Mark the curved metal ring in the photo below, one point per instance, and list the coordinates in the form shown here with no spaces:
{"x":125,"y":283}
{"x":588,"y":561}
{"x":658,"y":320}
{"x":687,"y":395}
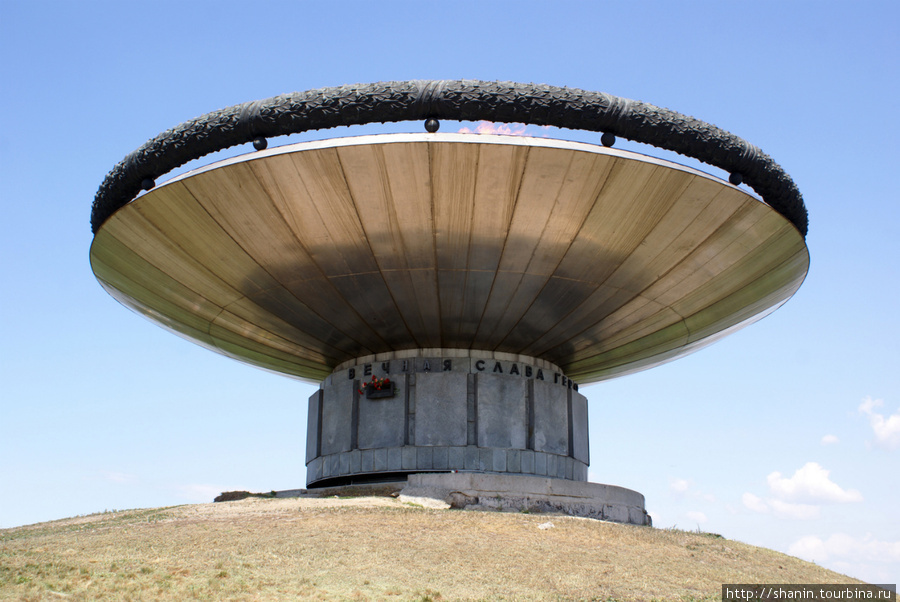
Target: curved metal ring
{"x":463,"y":100}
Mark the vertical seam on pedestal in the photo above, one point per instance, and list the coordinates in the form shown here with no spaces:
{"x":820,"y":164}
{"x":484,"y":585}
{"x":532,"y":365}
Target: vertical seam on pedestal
{"x":529,"y":403}
{"x":471,"y":410}
{"x":410,"y":409}
{"x":474,"y":410}
{"x":569,"y":420}
{"x":354,"y":418}
{"x":321,"y":407}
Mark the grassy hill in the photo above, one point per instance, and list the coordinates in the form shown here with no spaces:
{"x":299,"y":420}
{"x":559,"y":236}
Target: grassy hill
{"x":373,"y":548}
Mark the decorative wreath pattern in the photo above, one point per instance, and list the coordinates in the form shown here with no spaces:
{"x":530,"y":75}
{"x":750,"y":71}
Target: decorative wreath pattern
{"x":461,"y":100}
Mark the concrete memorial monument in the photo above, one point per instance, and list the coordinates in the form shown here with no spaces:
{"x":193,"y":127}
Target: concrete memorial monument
{"x":452,"y":293}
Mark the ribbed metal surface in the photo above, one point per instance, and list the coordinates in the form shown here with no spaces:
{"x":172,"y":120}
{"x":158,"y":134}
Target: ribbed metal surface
{"x":601,"y":261}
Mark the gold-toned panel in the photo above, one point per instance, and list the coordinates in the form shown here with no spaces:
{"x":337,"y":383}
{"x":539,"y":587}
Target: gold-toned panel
{"x":497,"y":184}
{"x":600,"y":261}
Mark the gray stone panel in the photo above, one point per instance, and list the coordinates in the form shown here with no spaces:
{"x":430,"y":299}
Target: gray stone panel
{"x":551,"y":419}
{"x":540,"y":463}
{"x":331,"y":465}
{"x":313,"y":471}
{"x":336,"y":409}
{"x":456,"y":459}
{"x":394,"y":459}
{"x":367,"y":460}
{"x":513,"y":460}
{"x":441,"y":459}
{"x":440,"y":409}
{"x":344,"y":463}
{"x":472,"y":458}
{"x":580,"y":471}
{"x":355,"y":459}
{"x":424,"y":458}
{"x":312,"y":427}
{"x":502,"y":411}
{"x":499,"y":460}
{"x":580,"y":444}
{"x":485,"y":459}
{"x":408,"y":458}
{"x":380,"y":460}
{"x":381,"y":421}
{"x":527,"y":461}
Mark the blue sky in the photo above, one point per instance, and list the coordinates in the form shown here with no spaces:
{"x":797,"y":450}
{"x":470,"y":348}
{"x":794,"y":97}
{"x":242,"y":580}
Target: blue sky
{"x":785,"y":434}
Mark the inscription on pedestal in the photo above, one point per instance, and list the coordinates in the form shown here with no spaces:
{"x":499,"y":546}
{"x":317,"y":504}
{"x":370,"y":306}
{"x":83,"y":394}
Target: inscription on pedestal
{"x":364,"y":372}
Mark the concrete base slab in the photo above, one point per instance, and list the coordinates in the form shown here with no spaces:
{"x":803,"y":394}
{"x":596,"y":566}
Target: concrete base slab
{"x":527,"y":494}
{"x":501,"y":492}
{"x":426,"y":501}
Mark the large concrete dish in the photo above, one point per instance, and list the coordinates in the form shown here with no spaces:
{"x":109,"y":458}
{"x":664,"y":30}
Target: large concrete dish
{"x":302,"y":257}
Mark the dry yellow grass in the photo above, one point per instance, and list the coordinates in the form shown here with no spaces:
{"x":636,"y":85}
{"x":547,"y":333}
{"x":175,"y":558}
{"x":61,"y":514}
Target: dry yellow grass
{"x":373,"y":548}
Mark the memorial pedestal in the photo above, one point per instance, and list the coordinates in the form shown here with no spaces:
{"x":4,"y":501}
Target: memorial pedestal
{"x":449,"y":410}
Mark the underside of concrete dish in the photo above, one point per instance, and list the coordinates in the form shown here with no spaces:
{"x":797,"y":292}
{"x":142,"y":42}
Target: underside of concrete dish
{"x":303,"y":258}
{"x":475,"y":491}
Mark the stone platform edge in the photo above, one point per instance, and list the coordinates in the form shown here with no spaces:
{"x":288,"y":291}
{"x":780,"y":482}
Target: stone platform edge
{"x":476,"y":491}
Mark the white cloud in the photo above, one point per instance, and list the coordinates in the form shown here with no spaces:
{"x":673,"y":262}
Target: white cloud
{"x":488,"y":127}
{"x":682,"y":487}
{"x":887,"y":430}
{"x":810,"y":484}
{"x":757,"y":504}
{"x":780,"y":508}
{"x":797,"y":498}
{"x":697,"y":517}
{"x":865,"y":558}
{"x":783,"y":509}
{"x":829,"y":440}
{"x":809,"y":548}
{"x":843,"y":546}
{"x":678,"y":485}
